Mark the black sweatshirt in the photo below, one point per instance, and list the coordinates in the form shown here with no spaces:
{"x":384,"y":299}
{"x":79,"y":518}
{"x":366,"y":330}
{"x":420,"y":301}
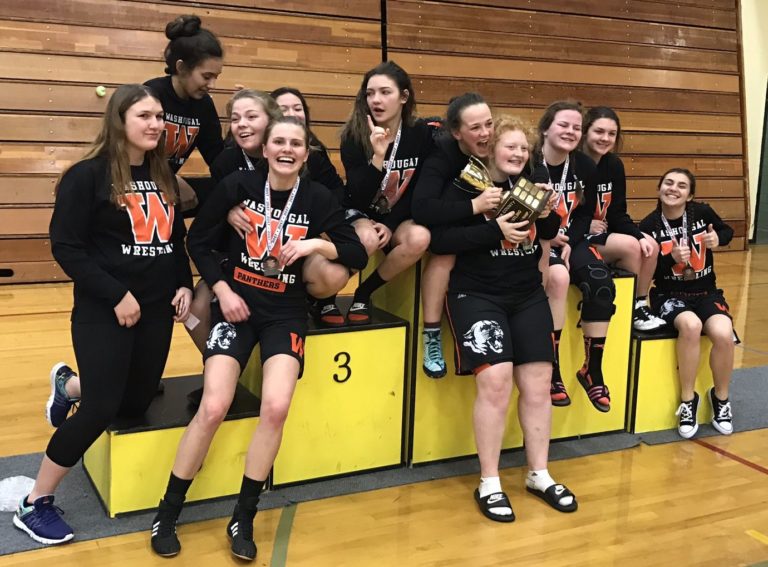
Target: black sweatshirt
{"x":109,"y":251}
{"x":576,"y":217}
{"x":486,"y":262}
{"x":442,"y":167}
{"x":364,"y":180}
{"x":314,"y":211}
{"x":668,"y":277}
{"x":189,"y":124}
{"x":611,"y":203}
{"x":319,"y":167}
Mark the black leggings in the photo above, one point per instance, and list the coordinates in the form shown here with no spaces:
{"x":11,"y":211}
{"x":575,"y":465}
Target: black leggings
{"x":119,"y":369}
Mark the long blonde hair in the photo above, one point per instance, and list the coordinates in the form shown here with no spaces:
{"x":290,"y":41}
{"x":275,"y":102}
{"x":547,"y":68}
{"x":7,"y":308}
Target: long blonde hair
{"x":111,"y":143}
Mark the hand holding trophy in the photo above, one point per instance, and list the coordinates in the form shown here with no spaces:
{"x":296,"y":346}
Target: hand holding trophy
{"x":524,"y":199}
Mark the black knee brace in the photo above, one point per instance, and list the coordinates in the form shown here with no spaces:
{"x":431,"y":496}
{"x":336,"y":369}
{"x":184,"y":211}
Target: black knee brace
{"x":598,"y":292}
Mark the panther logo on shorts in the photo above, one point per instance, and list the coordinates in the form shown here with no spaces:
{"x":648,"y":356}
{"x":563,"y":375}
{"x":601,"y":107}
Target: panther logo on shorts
{"x":484,"y":335}
{"x":221,"y":336}
{"x":671,"y":305}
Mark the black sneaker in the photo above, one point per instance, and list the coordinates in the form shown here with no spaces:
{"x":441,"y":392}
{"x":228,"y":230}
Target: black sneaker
{"x":688,"y":425}
{"x":722,"y":420}
{"x":240,"y":533}
{"x":164,"y":540}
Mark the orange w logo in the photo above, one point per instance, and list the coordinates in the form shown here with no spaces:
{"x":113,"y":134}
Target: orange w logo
{"x":297,"y":344}
{"x":178,"y":139}
{"x":256,"y":241}
{"x":603,"y":202}
{"x":565,"y":208}
{"x":698,"y":259}
{"x":157,"y":219}
{"x":395,"y":187}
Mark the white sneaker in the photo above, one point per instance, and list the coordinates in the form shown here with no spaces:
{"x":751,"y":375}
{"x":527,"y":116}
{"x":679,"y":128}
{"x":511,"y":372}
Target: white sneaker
{"x":643,"y":319}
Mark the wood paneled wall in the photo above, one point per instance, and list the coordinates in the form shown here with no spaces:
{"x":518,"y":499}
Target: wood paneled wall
{"x":670,"y":68}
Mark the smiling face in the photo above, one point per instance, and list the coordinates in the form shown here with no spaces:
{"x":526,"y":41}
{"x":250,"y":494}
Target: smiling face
{"x":385,"y":101}
{"x":286,"y":149}
{"x":475,"y":131}
{"x":564,"y":134}
{"x":143,"y":127}
{"x":675,"y":190}
{"x":601,"y":136}
{"x":249,"y":120}
{"x":291,"y":105}
{"x":511,"y":152}
{"x":198,"y":82}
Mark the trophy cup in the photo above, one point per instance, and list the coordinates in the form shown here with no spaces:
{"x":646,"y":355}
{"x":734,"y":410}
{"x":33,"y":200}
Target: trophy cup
{"x":524,"y":199}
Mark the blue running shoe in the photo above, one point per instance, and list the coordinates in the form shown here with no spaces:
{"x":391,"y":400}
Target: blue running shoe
{"x":42,"y":521}
{"x":434,"y":364}
{"x":59,"y":404}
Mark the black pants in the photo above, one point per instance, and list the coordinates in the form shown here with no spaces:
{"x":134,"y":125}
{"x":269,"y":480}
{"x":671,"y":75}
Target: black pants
{"x":119,"y":369}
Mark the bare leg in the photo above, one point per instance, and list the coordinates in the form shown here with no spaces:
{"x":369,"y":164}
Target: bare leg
{"x":434,"y":285}
{"x":409,"y":241}
{"x":323,"y":277}
{"x":557,"y":292}
{"x":494,"y":389}
{"x":534,"y":411}
{"x":719,"y":329}
{"x":48,"y":478}
{"x":688,"y":347}
{"x":220,"y":380}
{"x":280,"y":375}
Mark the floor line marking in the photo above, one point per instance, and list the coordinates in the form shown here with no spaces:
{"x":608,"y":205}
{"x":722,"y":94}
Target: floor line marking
{"x":732,"y":456}
{"x":282,"y":535}
{"x":762,"y":538}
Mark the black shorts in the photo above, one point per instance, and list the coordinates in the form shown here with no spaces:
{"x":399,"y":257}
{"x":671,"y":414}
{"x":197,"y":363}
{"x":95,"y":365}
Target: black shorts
{"x":582,"y":254}
{"x":351,"y":215}
{"x":704,"y":304}
{"x":490,"y":330}
{"x":238,"y":340}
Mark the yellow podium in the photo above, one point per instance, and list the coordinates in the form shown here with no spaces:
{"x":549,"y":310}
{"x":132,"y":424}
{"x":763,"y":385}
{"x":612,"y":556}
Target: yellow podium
{"x":441,"y":409}
{"x":129,"y":464}
{"x":655,"y":385}
{"x":347,"y":411}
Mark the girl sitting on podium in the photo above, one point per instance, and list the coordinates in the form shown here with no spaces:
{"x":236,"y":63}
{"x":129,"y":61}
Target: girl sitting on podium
{"x":502,"y":324}
{"x":569,"y":255}
{"x":612,"y":232}
{"x":469,"y":126}
{"x":383,"y":146}
{"x":261,"y":299}
{"x":685,"y":294}
{"x":118,"y":232}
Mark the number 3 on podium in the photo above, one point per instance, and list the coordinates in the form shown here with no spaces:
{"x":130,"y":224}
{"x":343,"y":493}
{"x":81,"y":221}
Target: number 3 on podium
{"x":345,"y":365}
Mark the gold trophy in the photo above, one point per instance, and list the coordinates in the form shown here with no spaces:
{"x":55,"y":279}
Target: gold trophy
{"x":524,"y":199}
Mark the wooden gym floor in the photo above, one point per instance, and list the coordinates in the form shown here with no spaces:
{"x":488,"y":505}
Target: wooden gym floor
{"x":688,"y":503}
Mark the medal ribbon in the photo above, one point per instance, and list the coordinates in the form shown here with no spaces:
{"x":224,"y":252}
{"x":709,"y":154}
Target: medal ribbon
{"x":272,"y":237}
{"x":390,"y":162}
{"x":248,"y":162}
{"x":561,"y":187}
{"x":684,"y":238}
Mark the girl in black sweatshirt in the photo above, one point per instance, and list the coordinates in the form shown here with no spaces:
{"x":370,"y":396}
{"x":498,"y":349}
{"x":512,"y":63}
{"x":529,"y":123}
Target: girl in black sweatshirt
{"x":686,"y":295}
{"x":383,"y":145}
{"x":193,"y":60}
{"x":501,"y":323}
{"x":261,"y":299}
{"x":611,"y":231}
{"x":118,"y":232}
{"x":571,"y":258}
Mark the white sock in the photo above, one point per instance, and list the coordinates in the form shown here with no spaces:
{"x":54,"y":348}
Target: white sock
{"x":489,"y":486}
{"x":541,"y":480}
{"x":492,"y":485}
